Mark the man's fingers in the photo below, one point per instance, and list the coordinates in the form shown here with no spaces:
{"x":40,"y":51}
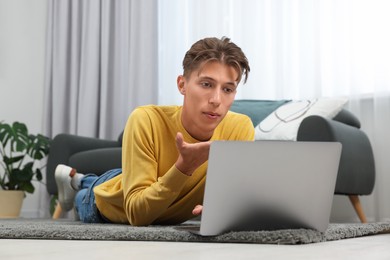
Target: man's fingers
{"x":197,"y":210}
{"x":191,"y":156}
{"x":179,"y":140}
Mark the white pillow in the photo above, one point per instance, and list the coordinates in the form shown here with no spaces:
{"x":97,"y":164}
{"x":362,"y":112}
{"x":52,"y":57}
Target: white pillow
{"x":284,"y":122}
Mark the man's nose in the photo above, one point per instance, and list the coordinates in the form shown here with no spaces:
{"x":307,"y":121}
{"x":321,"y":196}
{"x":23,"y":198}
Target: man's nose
{"x":215,"y":98}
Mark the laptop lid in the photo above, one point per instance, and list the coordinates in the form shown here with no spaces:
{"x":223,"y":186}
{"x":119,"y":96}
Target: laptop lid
{"x":269,"y":185}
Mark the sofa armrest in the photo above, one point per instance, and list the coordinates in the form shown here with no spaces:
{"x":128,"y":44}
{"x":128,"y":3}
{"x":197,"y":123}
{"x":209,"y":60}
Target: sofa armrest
{"x":346,"y":117}
{"x":63,"y":146}
{"x":356,"y":174}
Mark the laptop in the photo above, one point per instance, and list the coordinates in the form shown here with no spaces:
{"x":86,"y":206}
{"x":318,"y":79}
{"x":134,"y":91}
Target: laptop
{"x":268,"y":185}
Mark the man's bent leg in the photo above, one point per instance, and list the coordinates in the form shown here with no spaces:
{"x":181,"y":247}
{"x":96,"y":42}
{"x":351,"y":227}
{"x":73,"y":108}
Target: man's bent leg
{"x":85,"y":204}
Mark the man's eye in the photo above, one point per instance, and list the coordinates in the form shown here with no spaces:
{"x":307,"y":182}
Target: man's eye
{"x":206,"y":84}
{"x":228,"y":90}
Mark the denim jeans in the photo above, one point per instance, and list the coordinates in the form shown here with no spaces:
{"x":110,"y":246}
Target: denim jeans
{"x":85,"y":198}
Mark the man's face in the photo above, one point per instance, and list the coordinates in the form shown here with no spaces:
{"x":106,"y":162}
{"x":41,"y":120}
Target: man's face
{"x":208,"y":94}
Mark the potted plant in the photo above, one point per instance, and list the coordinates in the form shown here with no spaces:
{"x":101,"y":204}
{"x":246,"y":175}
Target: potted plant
{"x":20,"y":155}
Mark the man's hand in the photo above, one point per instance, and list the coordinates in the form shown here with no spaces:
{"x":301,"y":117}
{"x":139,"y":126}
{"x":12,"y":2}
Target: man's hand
{"x":197,"y":210}
{"x":191,"y":156}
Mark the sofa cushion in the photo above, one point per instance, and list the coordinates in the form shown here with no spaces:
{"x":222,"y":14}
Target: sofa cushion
{"x":283,"y":123}
{"x":257,"y":110}
{"x":97,"y":161}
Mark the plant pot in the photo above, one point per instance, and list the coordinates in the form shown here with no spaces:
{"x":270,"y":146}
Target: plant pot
{"x":10,"y":203}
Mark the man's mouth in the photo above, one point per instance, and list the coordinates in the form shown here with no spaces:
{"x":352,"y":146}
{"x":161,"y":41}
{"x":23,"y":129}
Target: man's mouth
{"x":212,"y":115}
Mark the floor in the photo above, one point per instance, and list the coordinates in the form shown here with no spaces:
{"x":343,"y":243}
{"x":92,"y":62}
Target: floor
{"x":370,"y":247}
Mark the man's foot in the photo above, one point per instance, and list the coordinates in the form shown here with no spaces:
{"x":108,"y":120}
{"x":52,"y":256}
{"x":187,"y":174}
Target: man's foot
{"x":63,"y":175}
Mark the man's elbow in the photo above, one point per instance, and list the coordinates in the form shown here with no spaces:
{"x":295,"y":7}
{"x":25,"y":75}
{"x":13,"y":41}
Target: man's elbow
{"x":138,"y":219}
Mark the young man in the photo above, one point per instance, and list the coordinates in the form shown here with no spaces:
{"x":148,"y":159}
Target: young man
{"x":165,"y":148}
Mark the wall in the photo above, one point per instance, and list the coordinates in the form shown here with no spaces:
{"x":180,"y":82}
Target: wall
{"x":22,"y":55}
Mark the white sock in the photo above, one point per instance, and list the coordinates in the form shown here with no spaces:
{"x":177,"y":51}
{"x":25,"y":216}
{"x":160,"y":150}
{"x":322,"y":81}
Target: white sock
{"x":76,"y":181}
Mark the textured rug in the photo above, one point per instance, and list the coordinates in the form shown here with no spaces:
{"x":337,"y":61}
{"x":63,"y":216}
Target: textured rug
{"x":73,"y":230}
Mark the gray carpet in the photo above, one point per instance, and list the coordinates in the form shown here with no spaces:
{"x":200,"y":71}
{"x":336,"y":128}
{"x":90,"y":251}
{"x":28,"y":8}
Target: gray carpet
{"x":73,"y":230}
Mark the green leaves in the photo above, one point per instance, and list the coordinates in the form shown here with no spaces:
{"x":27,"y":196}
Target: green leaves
{"x":17,"y":134}
{"x":38,"y":147}
{"x":19,"y":152}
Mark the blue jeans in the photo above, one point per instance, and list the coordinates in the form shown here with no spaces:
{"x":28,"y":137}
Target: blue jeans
{"x":85,"y":198}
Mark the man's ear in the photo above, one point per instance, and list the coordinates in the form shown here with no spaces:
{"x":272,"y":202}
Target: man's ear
{"x":181,"y":84}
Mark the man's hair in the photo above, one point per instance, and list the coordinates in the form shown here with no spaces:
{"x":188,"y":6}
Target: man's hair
{"x":214,"y":49}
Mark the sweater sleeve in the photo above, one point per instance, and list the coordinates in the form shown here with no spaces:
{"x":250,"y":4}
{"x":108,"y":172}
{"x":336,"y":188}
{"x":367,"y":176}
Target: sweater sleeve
{"x":146,"y":195}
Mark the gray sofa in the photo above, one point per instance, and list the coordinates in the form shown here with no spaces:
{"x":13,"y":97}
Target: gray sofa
{"x":356,"y":174}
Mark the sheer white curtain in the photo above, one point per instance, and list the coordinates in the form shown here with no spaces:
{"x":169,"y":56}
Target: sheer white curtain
{"x":100,"y":64}
{"x":297,"y":49}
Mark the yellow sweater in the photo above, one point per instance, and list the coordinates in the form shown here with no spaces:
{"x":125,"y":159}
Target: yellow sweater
{"x":151,"y":190}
